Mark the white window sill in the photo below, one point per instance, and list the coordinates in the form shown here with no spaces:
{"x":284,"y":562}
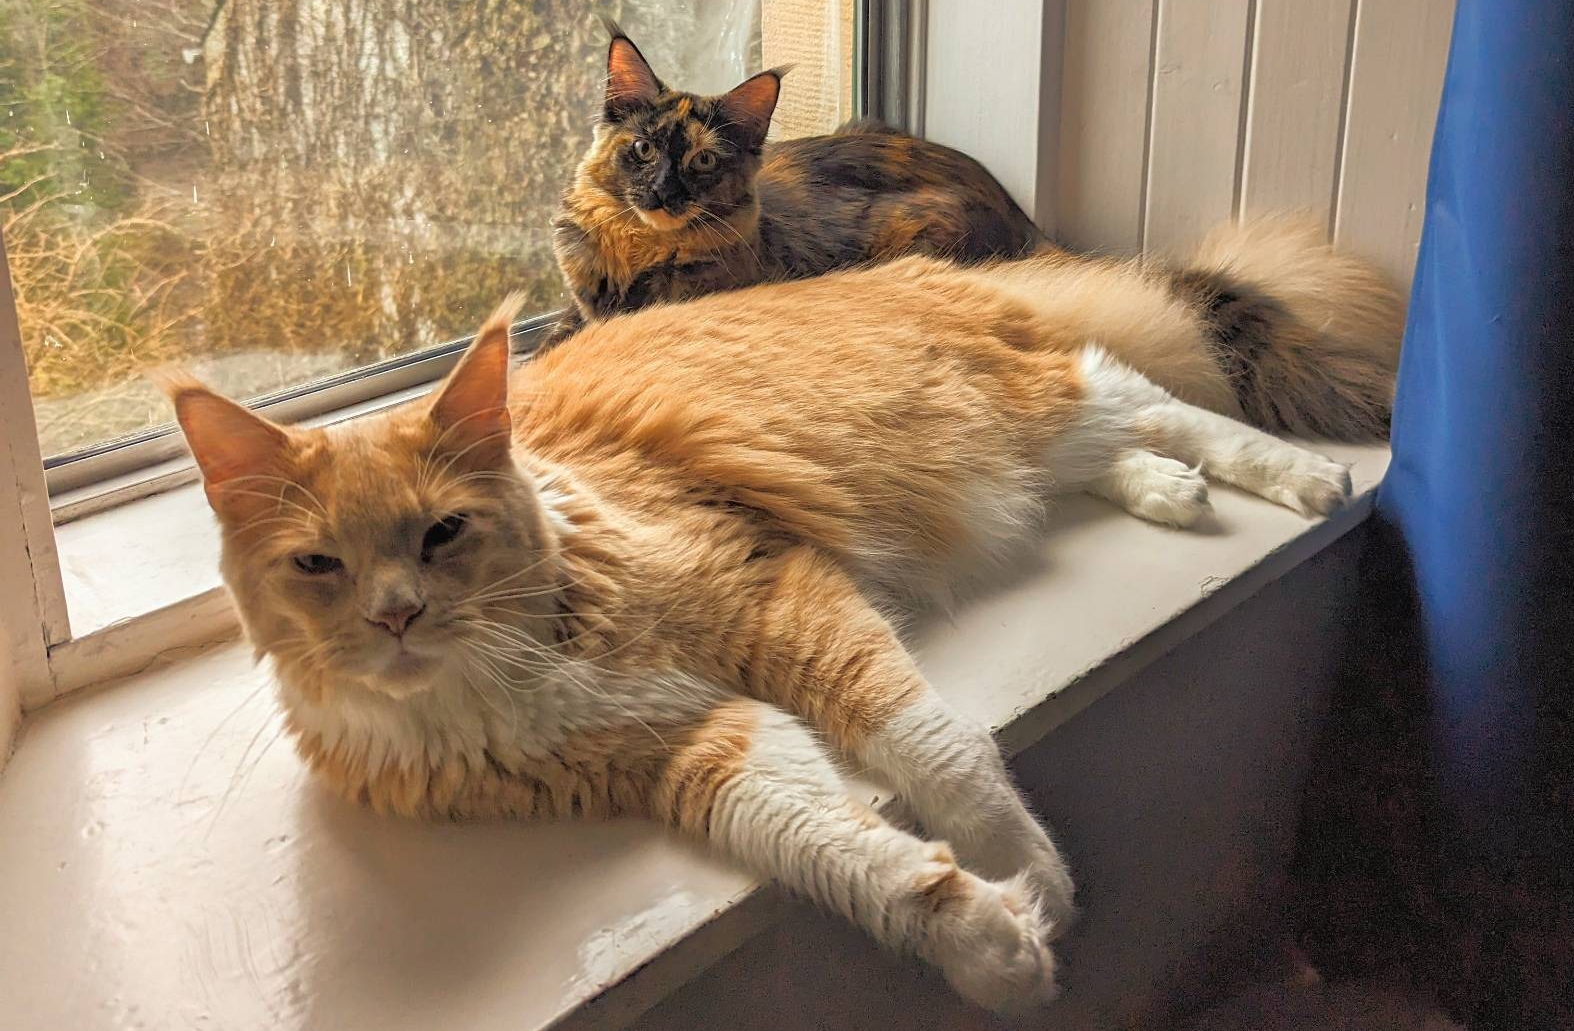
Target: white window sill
{"x":164,"y":867}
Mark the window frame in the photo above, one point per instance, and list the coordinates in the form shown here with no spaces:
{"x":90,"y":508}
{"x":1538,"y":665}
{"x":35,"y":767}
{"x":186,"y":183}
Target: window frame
{"x":33,"y":617}
{"x":156,"y":459}
{"x":45,"y":660}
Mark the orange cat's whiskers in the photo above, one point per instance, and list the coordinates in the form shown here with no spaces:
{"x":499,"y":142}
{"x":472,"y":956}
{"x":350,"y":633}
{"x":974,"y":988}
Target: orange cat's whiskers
{"x":494,"y":665}
{"x":483,"y":476}
{"x":288,"y":485}
{"x":493,"y":639}
{"x":521,"y":593}
{"x":278,"y":500}
{"x":208,"y":740}
{"x":327,"y":646}
{"x":241,"y":765}
{"x":554,"y":666}
{"x":476,"y":662}
{"x":292,"y":525}
{"x":427,"y":474}
{"x":514,"y":645}
{"x":485,"y":590}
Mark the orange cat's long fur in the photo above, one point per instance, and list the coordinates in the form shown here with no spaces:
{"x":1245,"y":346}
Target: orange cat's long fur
{"x":650,"y":573}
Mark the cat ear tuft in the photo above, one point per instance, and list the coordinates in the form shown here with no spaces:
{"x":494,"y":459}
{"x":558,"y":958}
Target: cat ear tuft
{"x":630,"y":82}
{"x":751,"y":103}
{"x":233,"y":445}
{"x":471,"y":407}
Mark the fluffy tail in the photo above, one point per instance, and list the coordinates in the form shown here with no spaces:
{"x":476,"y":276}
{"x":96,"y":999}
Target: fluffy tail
{"x":1307,"y":336}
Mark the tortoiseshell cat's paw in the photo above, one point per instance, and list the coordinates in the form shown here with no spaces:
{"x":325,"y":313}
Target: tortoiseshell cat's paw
{"x":991,"y":944}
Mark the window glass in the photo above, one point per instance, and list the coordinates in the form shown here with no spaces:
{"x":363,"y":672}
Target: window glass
{"x":273,"y":191}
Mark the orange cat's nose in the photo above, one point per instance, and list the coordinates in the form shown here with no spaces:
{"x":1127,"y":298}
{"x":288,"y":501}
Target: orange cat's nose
{"x":397,"y":618}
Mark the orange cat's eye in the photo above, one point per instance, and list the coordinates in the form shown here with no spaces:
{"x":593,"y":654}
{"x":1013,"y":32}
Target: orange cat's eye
{"x":704,"y":161}
{"x":644,"y":150}
{"x":441,"y":533}
{"x":316,"y":565}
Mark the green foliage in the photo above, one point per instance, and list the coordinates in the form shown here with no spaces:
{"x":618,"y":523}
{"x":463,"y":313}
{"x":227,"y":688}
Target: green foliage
{"x":56,"y":107}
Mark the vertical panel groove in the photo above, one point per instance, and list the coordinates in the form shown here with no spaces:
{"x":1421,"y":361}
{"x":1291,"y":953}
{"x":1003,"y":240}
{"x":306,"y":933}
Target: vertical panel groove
{"x":1104,"y":103}
{"x":1396,"y":77}
{"x":1147,"y":128}
{"x":1344,"y":120}
{"x":1196,"y":120}
{"x":1248,"y":65}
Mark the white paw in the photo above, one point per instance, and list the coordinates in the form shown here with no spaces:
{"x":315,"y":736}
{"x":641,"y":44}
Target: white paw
{"x":991,"y":943}
{"x":1056,"y":893}
{"x":1313,"y":486}
{"x":1030,"y":853}
{"x":1162,"y":490}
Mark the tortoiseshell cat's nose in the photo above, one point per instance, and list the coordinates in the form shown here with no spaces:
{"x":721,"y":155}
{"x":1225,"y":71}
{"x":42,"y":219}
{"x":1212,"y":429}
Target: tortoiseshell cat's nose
{"x":671,"y":195}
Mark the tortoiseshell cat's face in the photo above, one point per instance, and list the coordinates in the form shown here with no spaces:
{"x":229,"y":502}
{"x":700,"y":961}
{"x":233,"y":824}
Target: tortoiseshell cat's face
{"x":677,"y":158}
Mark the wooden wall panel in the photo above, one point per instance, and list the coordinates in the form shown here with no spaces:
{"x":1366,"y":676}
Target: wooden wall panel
{"x":1194,"y":138}
{"x":1178,"y":114}
{"x":1396,"y":77}
{"x":1103,"y":123}
{"x":1299,"y":62}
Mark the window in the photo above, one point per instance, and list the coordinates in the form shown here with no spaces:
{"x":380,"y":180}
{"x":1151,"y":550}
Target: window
{"x":307,"y":201}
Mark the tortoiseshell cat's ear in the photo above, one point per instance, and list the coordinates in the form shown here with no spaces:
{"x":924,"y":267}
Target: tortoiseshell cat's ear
{"x":751,"y":103}
{"x":630,"y":82}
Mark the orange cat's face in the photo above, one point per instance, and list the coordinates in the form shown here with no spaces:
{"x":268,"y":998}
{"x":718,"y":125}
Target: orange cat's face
{"x":371,"y":553}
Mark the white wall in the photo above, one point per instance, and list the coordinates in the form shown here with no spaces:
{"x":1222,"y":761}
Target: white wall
{"x":991,"y":90}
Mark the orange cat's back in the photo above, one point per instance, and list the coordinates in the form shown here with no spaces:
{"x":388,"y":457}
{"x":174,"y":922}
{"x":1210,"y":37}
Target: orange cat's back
{"x":846,"y":407}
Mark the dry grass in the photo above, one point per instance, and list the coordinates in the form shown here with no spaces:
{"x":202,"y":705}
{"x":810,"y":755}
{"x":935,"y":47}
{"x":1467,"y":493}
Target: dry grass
{"x":303,"y":194}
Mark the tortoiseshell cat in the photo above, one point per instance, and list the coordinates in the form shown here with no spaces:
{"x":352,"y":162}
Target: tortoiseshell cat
{"x":679,"y":196}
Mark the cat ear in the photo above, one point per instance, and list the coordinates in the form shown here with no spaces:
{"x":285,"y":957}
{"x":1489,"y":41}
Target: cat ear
{"x":235,"y":448}
{"x":471,"y":407}
{"x":630,"y":82}
{"x":750,"y":104}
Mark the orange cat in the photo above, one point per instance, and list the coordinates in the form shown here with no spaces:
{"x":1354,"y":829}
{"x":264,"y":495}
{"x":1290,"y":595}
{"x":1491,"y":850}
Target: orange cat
{"x":650,"y":572}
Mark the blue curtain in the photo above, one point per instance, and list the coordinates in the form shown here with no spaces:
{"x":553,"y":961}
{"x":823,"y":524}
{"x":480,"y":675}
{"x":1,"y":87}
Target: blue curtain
{"x":1445,"y":844}
{"x":1481,"y":491}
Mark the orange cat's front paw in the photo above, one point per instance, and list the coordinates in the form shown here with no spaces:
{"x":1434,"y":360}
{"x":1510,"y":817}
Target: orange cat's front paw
{"x":991,"y":945}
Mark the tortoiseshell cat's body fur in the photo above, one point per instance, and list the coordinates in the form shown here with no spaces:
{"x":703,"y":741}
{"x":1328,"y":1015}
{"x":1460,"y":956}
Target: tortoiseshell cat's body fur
{"x":644,"y":226}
